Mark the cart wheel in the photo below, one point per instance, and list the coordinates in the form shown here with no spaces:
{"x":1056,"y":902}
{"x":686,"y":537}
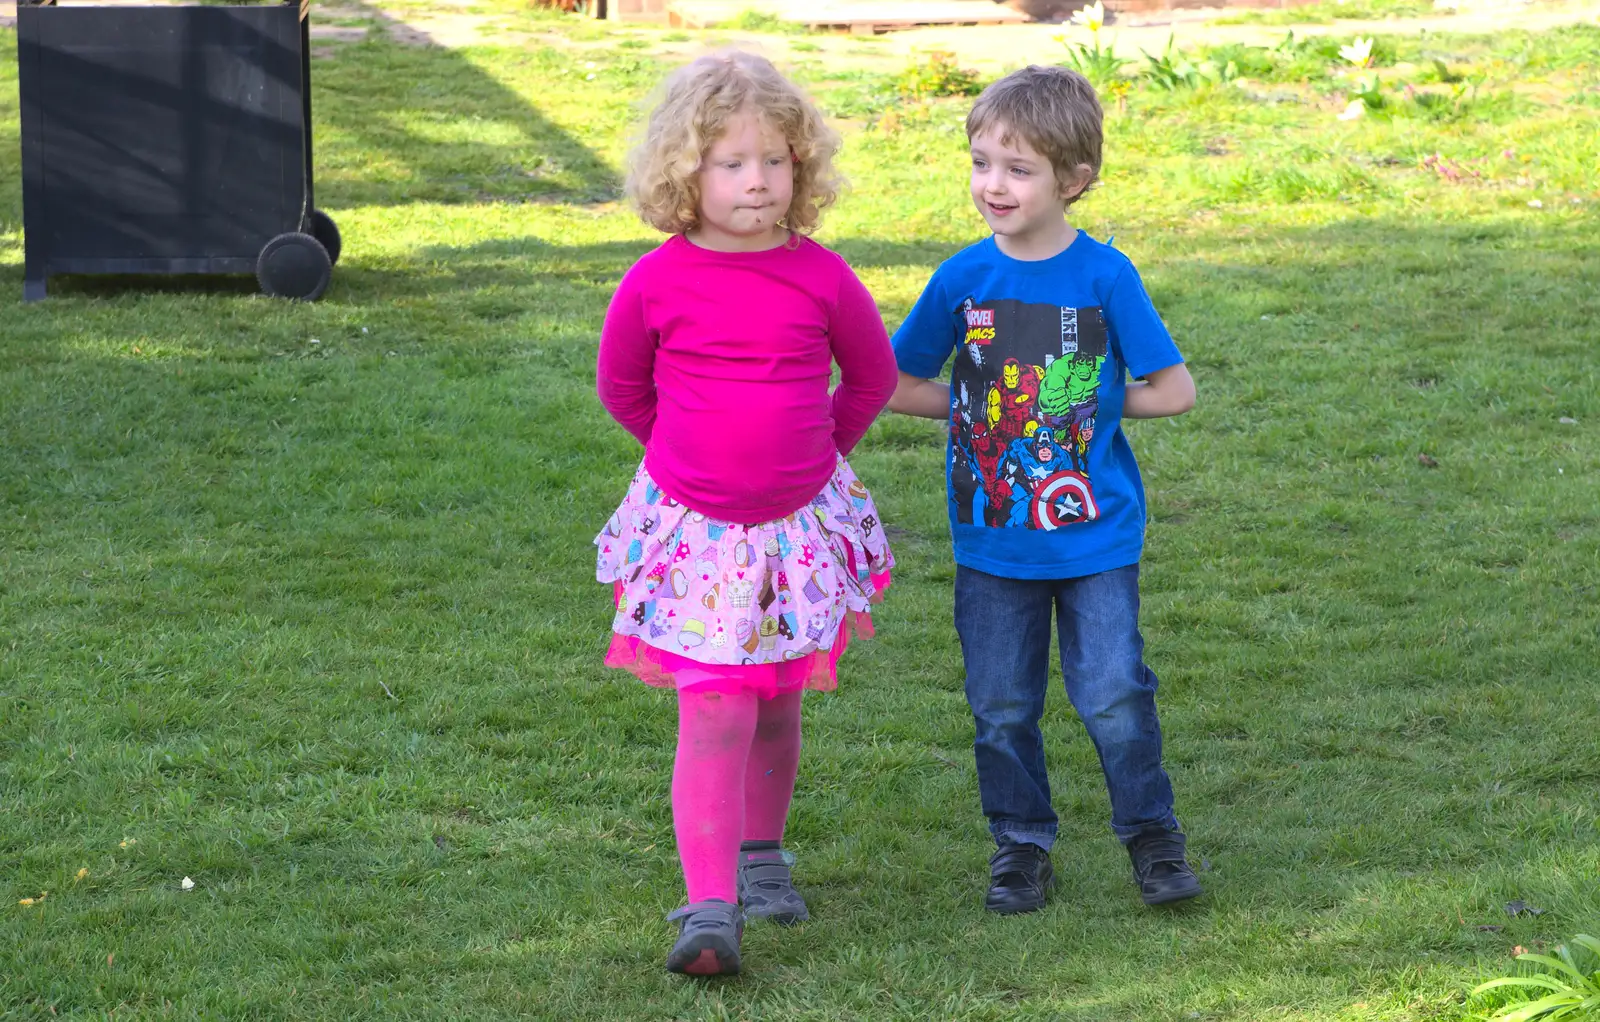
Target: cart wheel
{"x":294,"y":265}
{"x":326,"y":231}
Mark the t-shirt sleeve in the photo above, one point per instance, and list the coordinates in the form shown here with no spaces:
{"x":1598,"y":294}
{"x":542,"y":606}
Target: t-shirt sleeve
{"x":1136,"y":327}
{"x":625,"y":367}
{"x":925,"y":340}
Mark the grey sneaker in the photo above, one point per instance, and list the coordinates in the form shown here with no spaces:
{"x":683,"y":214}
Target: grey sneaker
{"x":766,"y":886}
{"x":708,"y":939}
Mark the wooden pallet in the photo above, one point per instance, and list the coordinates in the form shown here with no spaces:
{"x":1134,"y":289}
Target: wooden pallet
{"x":859,"y":17}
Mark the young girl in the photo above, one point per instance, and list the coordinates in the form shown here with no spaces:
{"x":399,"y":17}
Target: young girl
{"x":746,"y":552}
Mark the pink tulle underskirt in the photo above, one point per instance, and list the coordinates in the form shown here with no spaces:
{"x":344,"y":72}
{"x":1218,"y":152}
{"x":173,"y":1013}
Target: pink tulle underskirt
{"x":818,"y":671}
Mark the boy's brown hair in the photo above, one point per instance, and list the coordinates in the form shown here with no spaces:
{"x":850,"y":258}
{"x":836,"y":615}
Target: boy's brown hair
{"x":1053,"y":109}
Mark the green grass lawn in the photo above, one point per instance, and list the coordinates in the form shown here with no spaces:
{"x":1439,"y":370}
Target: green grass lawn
{"x":297,"y":600}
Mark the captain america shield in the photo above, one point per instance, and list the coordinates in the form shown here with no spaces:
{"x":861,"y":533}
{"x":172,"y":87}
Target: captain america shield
{"x":1063,"y":499}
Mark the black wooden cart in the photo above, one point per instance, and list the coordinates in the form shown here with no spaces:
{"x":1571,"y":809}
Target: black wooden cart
{"x":170,"y":139}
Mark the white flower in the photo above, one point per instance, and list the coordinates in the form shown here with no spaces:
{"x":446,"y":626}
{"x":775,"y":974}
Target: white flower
{"x":1354,"y":110}
{"x":589,"y":77}
{"x":1535,"y":204}
{"x":1358,"y":53}
{"x":1091,"y":17}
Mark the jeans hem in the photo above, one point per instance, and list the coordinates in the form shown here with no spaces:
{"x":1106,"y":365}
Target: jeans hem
{"x":1010,"y":836}
{"x":1166,"y":825}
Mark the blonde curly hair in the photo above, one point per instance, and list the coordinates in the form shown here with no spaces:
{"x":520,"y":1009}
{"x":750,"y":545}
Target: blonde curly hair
{"x":701,"y":98}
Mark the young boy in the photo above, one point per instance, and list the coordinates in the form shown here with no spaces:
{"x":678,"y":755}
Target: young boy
{"x":1046,"y":505}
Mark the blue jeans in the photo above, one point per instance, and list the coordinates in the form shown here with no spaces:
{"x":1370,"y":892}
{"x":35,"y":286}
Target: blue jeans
{"x":1004,"y":624}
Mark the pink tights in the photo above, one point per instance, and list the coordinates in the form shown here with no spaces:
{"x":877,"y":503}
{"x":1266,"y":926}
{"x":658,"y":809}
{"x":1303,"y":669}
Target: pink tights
{"x":731,"y":782}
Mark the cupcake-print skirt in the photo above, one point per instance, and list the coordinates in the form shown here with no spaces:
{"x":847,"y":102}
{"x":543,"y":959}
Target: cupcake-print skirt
{"x":769,"y":608}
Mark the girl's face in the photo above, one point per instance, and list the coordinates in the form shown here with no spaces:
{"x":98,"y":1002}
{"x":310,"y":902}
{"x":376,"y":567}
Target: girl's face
{"x":746,"y":183}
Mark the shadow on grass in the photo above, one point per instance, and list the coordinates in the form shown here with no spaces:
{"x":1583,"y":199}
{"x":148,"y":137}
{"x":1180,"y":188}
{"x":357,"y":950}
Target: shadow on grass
{"x":417,"y":123}
{"x":10,"y":135}
{"x":429,"y":125}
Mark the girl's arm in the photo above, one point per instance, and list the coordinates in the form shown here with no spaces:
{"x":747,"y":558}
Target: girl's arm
{"x":866,"y":362}
{"x":1168,"y":391}
{"x":625,"y":370}
{"x":929,"y":399}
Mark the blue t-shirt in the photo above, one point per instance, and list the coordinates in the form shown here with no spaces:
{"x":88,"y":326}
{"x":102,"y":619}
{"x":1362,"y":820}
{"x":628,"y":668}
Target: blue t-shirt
{"x":1041,"y":480}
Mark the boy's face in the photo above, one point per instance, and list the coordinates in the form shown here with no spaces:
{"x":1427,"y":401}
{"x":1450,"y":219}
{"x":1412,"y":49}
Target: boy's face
{"x":1017,"y":190}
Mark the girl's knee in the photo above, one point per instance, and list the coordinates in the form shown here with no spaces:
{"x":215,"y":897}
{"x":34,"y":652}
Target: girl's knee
{"x":778,"y":718}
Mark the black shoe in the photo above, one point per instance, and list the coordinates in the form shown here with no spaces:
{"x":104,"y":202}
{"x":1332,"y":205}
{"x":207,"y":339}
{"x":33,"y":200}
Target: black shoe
{"x":1020,"y":878}
{"x":1160,"y":869}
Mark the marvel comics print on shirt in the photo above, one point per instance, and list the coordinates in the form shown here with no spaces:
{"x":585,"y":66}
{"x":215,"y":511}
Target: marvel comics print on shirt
{"x":1024,"y":391}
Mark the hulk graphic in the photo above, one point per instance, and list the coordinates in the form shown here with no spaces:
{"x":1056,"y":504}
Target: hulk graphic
{"x":1069,"y":399}
{"x":1070,"y":381}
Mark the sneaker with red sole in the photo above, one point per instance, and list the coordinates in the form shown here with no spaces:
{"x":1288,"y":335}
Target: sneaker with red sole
{"x":708,"y":939}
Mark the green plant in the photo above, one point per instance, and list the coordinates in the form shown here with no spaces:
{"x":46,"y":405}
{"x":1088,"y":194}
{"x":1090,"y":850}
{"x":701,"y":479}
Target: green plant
{"x":1457,"y":105}
{"x":1370,"y":91}
{"x":1169,"y":71}
{"x":1248,"y":61}
{"x":1438,"y":71}
{"x":936,"y":75}
{"x":761,"y":21}
{"x":1172,"y":70}
{"x":1571,"y":993}
{"x":1296,"y":59}
{"x":856,"y":94}
{"x":1100,"y":66}
{"x":1305,"y":60}
{"x":1096,"y":63}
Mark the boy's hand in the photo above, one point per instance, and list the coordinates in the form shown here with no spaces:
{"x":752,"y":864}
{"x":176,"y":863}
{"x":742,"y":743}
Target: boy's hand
{"x":1168,"y":391}
{"x":925,"y":398}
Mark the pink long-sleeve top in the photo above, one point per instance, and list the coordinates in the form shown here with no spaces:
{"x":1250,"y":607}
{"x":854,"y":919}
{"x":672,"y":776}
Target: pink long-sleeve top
{"x":719,"y":363}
